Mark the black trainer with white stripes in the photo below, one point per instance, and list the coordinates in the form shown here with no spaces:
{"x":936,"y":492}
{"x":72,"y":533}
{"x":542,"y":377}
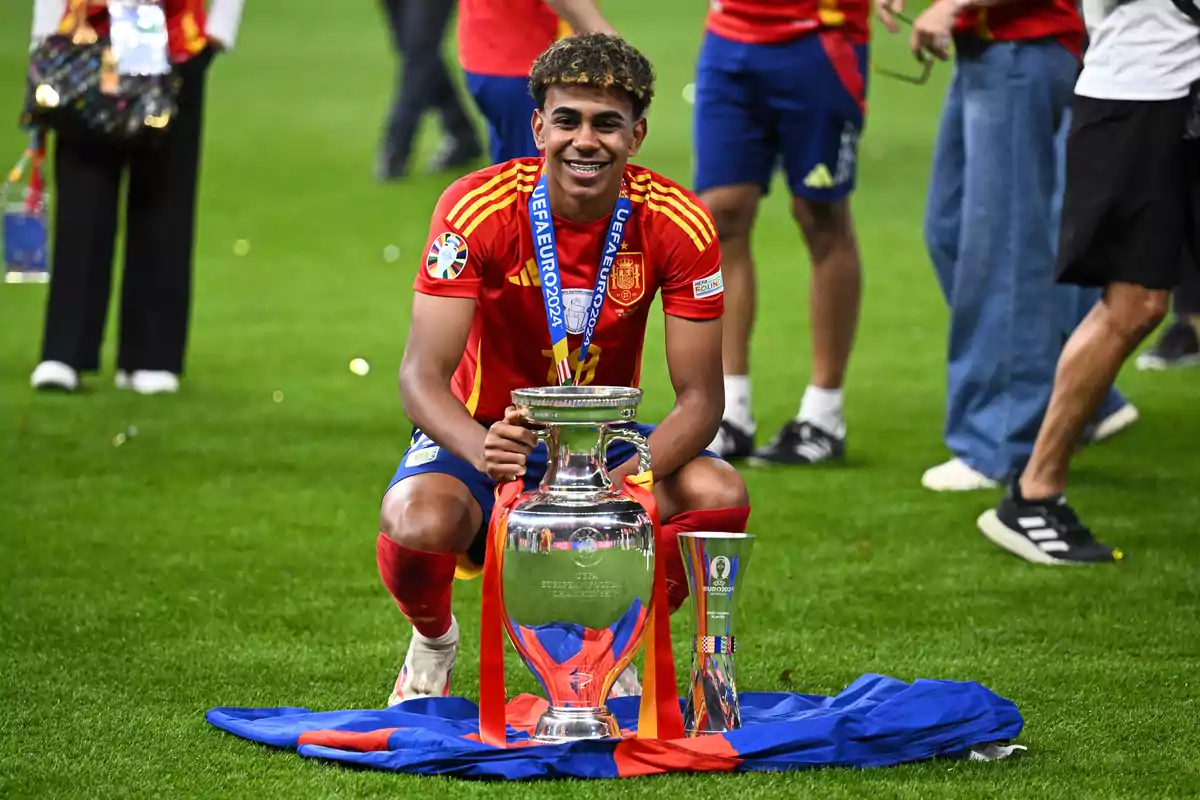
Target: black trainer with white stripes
{"x":800,"y":443}
{"x":1043,"y":531}
{"x":732,"y":441}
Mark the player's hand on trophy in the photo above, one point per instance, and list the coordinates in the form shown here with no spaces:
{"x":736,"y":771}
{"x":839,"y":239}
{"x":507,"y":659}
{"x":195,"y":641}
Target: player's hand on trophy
{"x":506,"y":446}
{"x":884,"y":9}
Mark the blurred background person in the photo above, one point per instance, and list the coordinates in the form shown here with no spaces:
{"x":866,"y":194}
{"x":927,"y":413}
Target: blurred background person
{"x":498,"y":41}
{"x":1178,"y":345}
{"x":159,"y":217}
{"x":423,"y":84}
{"x":785,"y":83}
{"x":1129,"y":212}
{"x":991,"y":226}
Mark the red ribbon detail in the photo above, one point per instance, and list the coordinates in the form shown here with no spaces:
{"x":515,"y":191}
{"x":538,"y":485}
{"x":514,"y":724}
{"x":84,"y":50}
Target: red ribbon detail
{"x":659,"y":717}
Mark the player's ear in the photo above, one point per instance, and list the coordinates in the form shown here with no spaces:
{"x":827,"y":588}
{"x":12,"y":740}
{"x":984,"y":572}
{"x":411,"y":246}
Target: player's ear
{"x":539,"y":130}
{"x":639,"y":136}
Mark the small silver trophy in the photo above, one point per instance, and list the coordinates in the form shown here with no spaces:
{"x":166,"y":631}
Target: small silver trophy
{"x":715,"y":564}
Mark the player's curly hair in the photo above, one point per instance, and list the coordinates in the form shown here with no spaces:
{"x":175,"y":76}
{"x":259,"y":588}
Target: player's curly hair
{"x":595,"y":59}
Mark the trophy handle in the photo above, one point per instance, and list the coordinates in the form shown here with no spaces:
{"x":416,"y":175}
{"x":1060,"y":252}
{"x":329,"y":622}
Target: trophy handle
{"x":637,"y":440}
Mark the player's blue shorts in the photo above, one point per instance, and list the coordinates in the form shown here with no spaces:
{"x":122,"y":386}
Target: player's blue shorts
{"x":423,"y":456}
{"x":800,"y":102}
{"x":507,"y":106}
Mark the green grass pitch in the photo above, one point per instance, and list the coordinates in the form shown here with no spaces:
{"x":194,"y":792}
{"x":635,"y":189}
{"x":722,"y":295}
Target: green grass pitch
{"x":223,"y":555}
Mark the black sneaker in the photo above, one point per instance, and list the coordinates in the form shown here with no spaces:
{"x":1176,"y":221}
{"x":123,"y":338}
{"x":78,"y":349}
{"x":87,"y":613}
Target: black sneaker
{"x":800,"y":443}
{"x":1178,"y":346}
{"x":1043,"y":531}
{"x":733,"y":441}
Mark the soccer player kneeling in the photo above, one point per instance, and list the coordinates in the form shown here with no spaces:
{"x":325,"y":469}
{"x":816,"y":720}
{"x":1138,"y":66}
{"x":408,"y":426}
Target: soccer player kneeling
{"x":480,"y":329}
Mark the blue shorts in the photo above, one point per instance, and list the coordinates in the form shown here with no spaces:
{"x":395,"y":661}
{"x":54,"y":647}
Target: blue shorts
{"x":800,"y":102}
{"x":423,"y":456}
{"x":507,"y":106}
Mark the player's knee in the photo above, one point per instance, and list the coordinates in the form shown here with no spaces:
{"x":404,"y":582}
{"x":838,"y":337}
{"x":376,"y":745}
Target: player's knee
{"x":421,"y":524}
{"x":732,"y":210}
{"x":1134,"y":311}
{"x":710,"y":483}
{"x":826,"y":226}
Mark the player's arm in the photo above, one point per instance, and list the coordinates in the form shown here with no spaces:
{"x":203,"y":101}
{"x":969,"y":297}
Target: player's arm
{"x":582,"y":15}
{"x":693,"y":302}
{"x":437,"y":337}
{"x":443,"y":311}
{"x":694,"y":363}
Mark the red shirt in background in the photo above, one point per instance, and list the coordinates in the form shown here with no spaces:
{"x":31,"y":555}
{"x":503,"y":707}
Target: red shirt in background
{"x":505,"y":37}
{"x":767,"y":22}
{"x":1032,"y":19}
{"x":481,"y":247}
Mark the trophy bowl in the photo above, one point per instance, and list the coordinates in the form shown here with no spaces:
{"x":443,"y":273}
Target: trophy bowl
{"x":578,"y":559}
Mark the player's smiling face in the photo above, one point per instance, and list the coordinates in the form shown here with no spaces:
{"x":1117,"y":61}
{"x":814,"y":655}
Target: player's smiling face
{"x":588,"y":135}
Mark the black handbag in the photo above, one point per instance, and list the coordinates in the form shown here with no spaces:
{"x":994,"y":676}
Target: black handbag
{"x":73,"y":88}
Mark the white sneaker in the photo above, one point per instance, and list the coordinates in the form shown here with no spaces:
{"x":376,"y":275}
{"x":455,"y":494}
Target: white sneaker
{"x":1115,"y":422}
{"x":145,"y":381}
{"x":54,"y":375}
{"x":427,"y":667}
{"x":956,"y":476}
{"x":626,"y":684}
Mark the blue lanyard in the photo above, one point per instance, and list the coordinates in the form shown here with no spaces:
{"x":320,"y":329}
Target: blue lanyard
{"x":542,"y":225}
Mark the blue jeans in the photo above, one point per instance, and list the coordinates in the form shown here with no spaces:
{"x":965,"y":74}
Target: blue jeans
{"x":991,"y":227}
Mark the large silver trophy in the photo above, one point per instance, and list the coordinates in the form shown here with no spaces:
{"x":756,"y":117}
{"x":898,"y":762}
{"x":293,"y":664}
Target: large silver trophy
{"x":715,"y":564}
{"x":578,"y":559}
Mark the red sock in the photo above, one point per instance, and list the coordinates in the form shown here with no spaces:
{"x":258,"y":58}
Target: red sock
{"x":420,"y":583}
{"x":729,"y":520}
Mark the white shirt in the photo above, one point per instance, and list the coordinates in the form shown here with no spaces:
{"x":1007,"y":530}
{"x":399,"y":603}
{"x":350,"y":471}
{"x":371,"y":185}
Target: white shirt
{"x":1139,"y":50}
{"x":224,"y":18}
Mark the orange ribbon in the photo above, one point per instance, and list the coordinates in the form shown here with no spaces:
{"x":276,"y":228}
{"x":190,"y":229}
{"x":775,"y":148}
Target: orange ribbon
{"x":659,"y":716}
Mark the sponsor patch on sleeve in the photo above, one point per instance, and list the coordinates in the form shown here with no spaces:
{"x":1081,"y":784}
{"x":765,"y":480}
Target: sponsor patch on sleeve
{"x":708,"y":287}
{"x":447,"y":256}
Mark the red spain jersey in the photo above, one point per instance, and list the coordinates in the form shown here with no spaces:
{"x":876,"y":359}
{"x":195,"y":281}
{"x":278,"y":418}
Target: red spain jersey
{"x":773,"y":21}
{"x":185,"y":24}
{"x":504,"y":37}
{"x":481,"y":246}
{"x":1029,"y":19}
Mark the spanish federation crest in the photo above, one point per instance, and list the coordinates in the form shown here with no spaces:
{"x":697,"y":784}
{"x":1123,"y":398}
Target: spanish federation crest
{"x":627,"y":284}
{"x":447,"y":256}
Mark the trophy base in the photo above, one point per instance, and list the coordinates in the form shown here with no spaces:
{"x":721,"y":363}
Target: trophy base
{"x":574,"y":724}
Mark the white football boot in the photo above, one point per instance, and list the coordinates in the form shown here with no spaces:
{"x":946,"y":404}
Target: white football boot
{"x":427,"y":667}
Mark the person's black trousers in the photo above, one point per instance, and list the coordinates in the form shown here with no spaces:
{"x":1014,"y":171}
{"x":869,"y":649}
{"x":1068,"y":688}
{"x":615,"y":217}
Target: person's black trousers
{"x":1187,"y":294}
{"x":159,"y":230}
{"x":418,"y":27}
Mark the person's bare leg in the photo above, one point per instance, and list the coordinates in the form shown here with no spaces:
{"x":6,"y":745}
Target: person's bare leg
{"x":1087,"y":368}
{"x":733,"y":209}
{"x":818,"y":432}
{"x":836,"y":287}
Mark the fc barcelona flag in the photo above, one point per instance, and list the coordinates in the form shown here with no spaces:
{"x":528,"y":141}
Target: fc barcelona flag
{"x":875,"y":721}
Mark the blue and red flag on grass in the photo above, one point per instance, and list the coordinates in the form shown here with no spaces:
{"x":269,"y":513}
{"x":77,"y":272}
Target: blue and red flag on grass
{"x":874,"y":722}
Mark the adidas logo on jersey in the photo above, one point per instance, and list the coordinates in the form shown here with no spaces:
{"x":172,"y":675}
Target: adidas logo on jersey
{"x":527,"y":275}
